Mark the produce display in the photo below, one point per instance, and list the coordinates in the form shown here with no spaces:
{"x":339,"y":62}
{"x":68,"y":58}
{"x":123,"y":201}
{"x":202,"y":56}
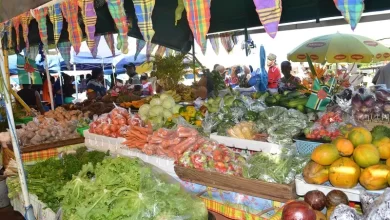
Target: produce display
{"x":90,"y":107}
{"x":120,"y":94}
{"x":124,"y":188}
{"x":62,"y":115}
{"x":46,"y":178}
{"x":114,"y":124}
{"x":190,"y":114}
{"x":211,"y":156}
{"x":159,"y":110}
{"x":47,"y":130}
{"x":163,"y":142}
{"x":348,"y":161}
{"x":295,"y":100}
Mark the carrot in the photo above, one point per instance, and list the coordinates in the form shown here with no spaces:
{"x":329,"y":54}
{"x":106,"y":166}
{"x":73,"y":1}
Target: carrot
{"x":142,"y":136}
{"x":184,"y":145}
{"x":141,"y":129}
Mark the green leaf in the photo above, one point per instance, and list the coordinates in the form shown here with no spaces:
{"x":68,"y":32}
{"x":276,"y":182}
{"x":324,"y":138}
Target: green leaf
{"x":312,"y":69}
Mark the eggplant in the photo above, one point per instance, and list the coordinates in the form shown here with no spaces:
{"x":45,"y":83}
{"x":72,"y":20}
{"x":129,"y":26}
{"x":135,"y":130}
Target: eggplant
{"x":383,"y":95}
{"x":362,"y":90}
{"x":357,"y":102}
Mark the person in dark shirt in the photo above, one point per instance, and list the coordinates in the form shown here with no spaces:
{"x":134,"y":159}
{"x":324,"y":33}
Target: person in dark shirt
{"x":28,"y":95}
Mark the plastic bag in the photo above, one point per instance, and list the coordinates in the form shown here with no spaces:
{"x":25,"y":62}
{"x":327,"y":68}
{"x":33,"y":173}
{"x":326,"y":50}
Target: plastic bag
{"x":242,"y":130}
{"x":210,"y":122}
{"x":379,"y":208}
{"x":344,"y":212}
{"x":257,"y":106}
{"x":272,"y":113}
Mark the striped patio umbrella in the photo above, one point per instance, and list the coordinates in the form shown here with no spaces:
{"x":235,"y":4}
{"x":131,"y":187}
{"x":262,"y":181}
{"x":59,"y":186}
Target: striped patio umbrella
{"x":89,"y":18}
{"x":269,"y":12}
{"x":40,"y":15}
{"x":117,"y":12}
{"x":70,"y":11}
{"x":351,"y":10}
{"x":55,"y":16}
{"x":143,"y":11}
{"x":198,"y":16}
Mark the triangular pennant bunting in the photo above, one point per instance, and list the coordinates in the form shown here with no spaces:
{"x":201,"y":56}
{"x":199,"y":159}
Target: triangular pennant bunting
{"x":70,"y":11}
{"x":57,"y":20}
{"x":8,"y":30}
{"x":198,"y":16}
{"x":351,"y":10}
{"x":33,"y":52}
{"x":89,"y":18}
{"x":214,"y":41}
{"x":269,"y":12}
{"x":110,"y":42}
{"x":140,"y":44}
{"x":143,"y":11}
{"x":25,"y":20}
{"x":168,"y":52}
{"x":160,"y":51}
{"x":149,"y":50}
{"x":16,"y":24}
{"x":94,"y":50}
{"x":64,"y":48}
{"x":227,"y":42}
{"x":179,"y":11}
{"x":117,"y":12}
{"x":2,"y":31}
{"x":40,"y":15}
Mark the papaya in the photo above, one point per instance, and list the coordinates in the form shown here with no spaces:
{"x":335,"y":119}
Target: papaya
{"x":359,"y":136}
{"x":325,"y":154}
{"x":344,"y":146}
{"x":375,"y":177}
{"x":344,"y":173}
{"x":383,"y":145}
{"x":366,"y":155}
{"x":388,"y":179}
{"x":388,"y":162}
{"x":314,"y":173}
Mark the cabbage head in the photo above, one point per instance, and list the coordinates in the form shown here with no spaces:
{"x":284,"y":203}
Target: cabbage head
{"x":168,"y":102}
{"x":156,"y":111}
{"x":143,"y":111}
{"x":176,"y":109}
{"x":155,"y":101}
{"x":167,"y":113}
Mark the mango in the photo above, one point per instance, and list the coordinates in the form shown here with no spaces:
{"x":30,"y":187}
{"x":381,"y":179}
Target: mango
{"x":360,"y":136}
{"x":375,"y":177}
{"x":383,"y":145}
{"x":325,"y":154}
{"x":366,"y":155}
{"x":344,"y":173}
{"x":315,"y":173}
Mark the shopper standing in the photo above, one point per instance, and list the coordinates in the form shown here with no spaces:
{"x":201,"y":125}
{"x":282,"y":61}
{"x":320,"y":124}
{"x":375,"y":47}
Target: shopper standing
{"x":273,"y":74}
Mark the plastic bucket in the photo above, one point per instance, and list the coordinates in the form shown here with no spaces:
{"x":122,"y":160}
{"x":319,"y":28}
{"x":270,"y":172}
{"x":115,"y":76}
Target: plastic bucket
{"x":68,"y":100}
{"x":4,"y":200}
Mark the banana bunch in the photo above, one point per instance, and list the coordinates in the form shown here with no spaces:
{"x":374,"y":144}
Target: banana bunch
{"x":175,"y":96}
{"x":185,"y":92}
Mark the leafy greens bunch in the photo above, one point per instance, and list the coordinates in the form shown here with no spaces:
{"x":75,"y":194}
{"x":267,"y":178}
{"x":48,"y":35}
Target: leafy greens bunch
{"x":124,"y":188}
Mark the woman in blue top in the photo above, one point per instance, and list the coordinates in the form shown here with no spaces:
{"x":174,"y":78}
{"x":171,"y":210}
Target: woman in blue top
{"x":95,"y":87}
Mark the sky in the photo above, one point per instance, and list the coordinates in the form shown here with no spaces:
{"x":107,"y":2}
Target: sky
{"x":284,"y":42}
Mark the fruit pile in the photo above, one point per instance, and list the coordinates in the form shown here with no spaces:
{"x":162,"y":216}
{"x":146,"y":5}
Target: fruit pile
{"x":314,"y":202}
{"x":328,"y":127}
{"x":348,"y":161}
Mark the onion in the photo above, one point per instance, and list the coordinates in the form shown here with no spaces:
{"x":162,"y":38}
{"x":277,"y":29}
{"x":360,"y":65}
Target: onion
{"x":378,"y":107}
{"x":356,"y":102}
{"x":383,"y":95}
{"x":336,"y":197}
{"x":369,"y":101}
{"x":386,"y":108}
{"x":316,"y":199}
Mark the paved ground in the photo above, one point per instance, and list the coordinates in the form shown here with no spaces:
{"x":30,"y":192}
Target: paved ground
{"x":8,"y":213}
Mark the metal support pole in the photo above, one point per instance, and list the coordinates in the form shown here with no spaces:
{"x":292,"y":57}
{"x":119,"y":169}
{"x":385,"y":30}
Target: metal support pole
{"x":15,"y":144}
{"x":76,"y":82}
{"x":193,"y":58}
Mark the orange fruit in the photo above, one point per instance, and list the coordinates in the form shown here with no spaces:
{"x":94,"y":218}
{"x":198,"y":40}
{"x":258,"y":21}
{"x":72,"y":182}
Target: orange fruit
{"x":366,"y":155}
{"x":325,"y":154}
{"x":383,"y":146}
{"x":359,"y":136}
{"x":375,"y":177}
{"x":344,"y":173}
{"x":344,"y":146}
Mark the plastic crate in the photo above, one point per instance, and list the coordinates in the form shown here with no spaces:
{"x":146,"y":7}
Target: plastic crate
{"x":24,"y":120}
{"x":305,"y":147}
